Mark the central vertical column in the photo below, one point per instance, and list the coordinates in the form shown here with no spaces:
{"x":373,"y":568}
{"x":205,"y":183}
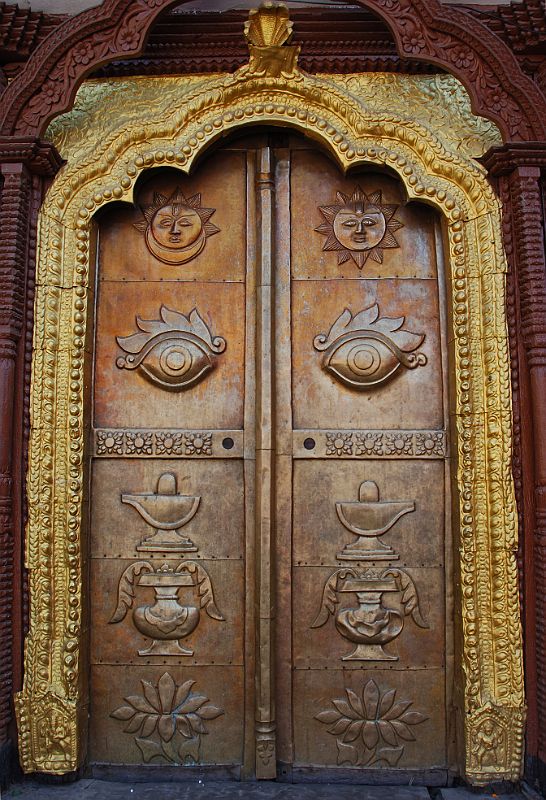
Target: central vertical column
{"x":265,"y":394}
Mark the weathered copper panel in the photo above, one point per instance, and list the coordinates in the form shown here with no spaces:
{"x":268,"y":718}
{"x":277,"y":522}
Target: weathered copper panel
{"x":115,"y":687}
{"x":321,"y":400}
{"x":315,"y":183}
{"x":217,"y":528}
{"x":169,"y":565}
{"x":418,"y":537}
{"x":415,"y":698}
{"x":370,"y":500}
{"x":316,"y":353}
{"x":325,"y":647}
{"x":127,"y":398}
{"x":212,"y":641}
{"x":220,"y":181}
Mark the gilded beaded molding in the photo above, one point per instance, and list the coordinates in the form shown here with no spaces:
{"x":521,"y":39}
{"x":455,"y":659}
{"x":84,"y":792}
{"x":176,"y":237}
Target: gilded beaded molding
{"x":432,"y":169}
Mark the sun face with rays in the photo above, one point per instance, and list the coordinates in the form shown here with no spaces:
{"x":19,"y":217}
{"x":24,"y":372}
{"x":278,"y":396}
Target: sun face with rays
{"x":176,"y":228}
{"x":359,"y":227}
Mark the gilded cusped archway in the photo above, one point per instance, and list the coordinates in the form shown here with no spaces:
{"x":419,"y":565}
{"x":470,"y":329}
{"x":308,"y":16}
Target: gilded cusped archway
{"x":359,"y":119}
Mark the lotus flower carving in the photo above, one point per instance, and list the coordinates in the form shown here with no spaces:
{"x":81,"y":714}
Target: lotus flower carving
{"x":170,"y":720}
{"x":366,"y":350}
{"x":173,"y":352}
{"x":371,"y":729}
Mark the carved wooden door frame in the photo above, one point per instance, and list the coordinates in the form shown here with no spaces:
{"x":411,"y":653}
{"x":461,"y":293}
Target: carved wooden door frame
{"x":195,"y":112}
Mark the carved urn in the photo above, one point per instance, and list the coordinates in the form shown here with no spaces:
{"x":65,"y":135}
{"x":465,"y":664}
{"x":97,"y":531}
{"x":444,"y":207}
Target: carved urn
{"x":370,"y":625}
{"x":166,"y":621}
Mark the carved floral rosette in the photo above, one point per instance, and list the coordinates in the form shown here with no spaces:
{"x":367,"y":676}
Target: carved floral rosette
{"x":104,"y":158}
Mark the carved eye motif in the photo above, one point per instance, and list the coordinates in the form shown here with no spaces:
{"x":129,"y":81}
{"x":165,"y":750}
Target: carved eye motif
{"x":174,"y":352}
{"x":366,"y":350}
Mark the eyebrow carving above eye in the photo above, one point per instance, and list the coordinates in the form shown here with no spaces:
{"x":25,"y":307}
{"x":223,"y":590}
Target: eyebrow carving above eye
{"x":174,"y":352}
{"x":366,"y":350}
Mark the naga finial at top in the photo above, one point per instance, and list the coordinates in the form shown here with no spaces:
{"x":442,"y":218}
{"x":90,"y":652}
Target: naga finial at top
{"x":267,"y":31}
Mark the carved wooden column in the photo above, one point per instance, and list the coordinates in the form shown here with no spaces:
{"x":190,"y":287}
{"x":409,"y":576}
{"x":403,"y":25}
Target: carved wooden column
{"x":23,"y":165}
{"x":519,"y":169}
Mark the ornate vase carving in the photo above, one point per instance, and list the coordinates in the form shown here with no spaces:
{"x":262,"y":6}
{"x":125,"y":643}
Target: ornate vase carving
{"x":166,"y":621}
{"x":370,"y":625}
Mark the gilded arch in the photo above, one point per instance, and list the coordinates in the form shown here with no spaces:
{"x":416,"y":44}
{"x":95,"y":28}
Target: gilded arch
{"x":426,"y":30}
{"x":196,"y":111}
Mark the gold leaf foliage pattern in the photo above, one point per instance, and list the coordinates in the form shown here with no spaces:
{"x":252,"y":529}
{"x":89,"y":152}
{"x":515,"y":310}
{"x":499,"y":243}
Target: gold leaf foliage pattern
{"x":106,"y":147}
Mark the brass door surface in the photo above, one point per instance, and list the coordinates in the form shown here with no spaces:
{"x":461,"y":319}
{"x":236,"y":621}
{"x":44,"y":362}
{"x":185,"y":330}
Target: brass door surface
{"x":269,"y":484}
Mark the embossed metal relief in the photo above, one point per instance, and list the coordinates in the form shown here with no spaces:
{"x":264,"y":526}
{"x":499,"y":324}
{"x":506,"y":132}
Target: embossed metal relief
{"x":176,"y":228}
{"x":167,"y":512}
{"x":370,"y":625}
{"x":369,"y":518}
{"x":365,"y":350}
{"x":359,"y":227}
{"x":362,"y":444}
{"x":371,"y":729}
{"x":174,"y":352}
{"x":430,"y":161}
{"x":167,"y":720}
{"x":165,"y":621}
{"x":164,"y":443}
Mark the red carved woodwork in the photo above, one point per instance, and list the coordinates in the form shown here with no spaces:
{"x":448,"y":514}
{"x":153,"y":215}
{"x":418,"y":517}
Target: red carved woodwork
{"x":20,"y":198}
{"x":424,"y":30}
{"x":478,"y":48}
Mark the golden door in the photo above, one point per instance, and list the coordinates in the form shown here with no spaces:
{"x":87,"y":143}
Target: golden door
{"x":269,"y":497}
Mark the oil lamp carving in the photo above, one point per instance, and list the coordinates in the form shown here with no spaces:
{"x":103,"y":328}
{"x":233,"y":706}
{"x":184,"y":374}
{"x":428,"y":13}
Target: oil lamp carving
{"x":166,"y":621}
{"x":167,"y":512}
{"x":369,"y":518}
{"x":370,"y":625}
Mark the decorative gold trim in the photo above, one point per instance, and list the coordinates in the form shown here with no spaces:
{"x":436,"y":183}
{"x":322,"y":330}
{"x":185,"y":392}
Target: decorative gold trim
{"x":359,"y":119}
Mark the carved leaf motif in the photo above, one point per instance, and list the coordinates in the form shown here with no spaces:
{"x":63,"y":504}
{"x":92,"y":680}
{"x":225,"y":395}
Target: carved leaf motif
{"x":370,"y":698}
{"x":410,"y":598}
{"x":369,"y":723}
{"x":204,"y":587}
{"x":344,"y":708}
{"x":329,"y":596}
{"x":166,"y":688}
{"x":210,"y":712}
{"x":151,"y":695}
{"x":126,"y":591}
{"x":353,"y":731}
{"x":182,"y":692}
{"x":193,"y":702}
{"x":140,"y":704}
{"x":389,"y":754}
{"x":166,"y":727}
{"x":346,"y":754}
{"x":149,"y":749}
{"x":123,"y":713}
{"x":356,"y":702}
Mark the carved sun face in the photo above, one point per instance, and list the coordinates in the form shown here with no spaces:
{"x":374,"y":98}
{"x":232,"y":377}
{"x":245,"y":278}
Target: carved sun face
{"x":359,"y":227}
{"x":176,"y":227}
